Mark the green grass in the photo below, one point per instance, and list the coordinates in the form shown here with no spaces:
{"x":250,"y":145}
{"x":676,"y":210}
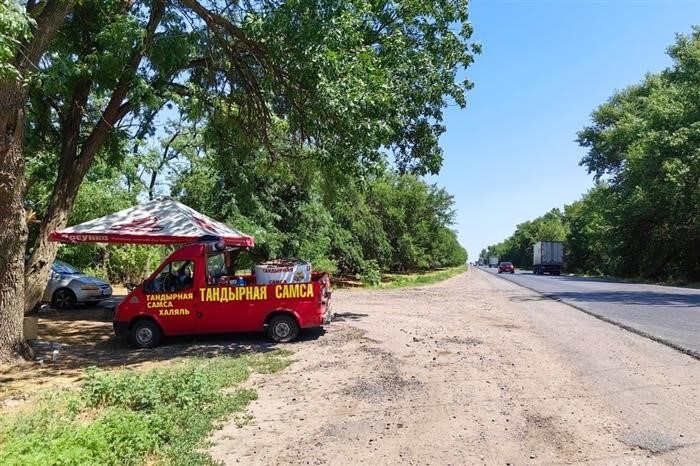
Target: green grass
{"x":426,"y":278}
{"x":130,"y":417}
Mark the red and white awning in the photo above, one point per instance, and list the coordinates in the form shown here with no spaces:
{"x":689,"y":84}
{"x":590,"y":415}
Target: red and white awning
{"x":160,"y":221}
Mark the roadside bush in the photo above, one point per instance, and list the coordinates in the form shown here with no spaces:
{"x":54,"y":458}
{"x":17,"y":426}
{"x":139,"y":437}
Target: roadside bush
{"x":126,"y":263}
{"x":370,"y":275}
{"x":131,"y":418}
{"x":325,"y":265}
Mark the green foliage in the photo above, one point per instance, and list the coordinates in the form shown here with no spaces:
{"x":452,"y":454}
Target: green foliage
{"x":382,"y":73}
{"x":426,"y":278}
{"x":129,"y":418}
{"x":348,"y":79}
{"x":293,"y":152}
{"x":297,"y":206}
{"x":518,"y":247}
{"x":101,"y":194}
{"x":644,"y":142}
{"x":642,"y":219}
{"x":15,"y":28}
{"x":589,"y":243}
{"x":371,"y":274}
{"x":415,"y":216}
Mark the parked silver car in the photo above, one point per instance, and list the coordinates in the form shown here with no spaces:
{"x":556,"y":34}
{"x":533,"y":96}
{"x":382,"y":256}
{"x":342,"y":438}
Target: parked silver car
{"x":68,"y":286}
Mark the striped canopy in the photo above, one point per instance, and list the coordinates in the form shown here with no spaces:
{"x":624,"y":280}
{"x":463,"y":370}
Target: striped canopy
{"x":160,"y":221}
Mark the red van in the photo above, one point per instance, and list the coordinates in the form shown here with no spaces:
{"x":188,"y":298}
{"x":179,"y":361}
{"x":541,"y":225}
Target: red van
{"x":196,"y":291}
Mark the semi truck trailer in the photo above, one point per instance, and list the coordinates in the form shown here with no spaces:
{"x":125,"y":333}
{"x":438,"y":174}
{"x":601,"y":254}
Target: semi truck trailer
{"x":548,"y":257}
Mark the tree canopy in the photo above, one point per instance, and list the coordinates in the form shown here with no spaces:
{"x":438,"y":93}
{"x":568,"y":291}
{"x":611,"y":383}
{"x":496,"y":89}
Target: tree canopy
{"x":642,"y":219}
{"x":327,"y":85}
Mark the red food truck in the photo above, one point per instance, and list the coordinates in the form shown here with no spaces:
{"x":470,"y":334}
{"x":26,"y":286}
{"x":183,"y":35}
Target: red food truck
{"x":196,"y":291}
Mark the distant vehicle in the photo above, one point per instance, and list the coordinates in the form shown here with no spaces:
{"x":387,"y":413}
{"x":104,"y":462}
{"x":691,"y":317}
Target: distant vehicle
{"x":493,"y":261}
{"x":68,"y":286}
{"x":547,"y":257}
{"x":506,"y":267}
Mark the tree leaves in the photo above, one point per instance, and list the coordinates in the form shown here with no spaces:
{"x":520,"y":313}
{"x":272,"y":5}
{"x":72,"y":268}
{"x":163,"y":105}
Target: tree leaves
{"x":15,"y":27}
{"x":646,"y":137}
{"x":643,"y":217}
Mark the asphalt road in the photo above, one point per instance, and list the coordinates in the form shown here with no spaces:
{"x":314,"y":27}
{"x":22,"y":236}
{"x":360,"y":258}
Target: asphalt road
{"x":670,"y":315}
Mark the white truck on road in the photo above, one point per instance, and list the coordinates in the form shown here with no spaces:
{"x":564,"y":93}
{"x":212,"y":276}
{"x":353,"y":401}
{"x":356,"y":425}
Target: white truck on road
{"x":547,"y":257}
{"x":493,"y":261}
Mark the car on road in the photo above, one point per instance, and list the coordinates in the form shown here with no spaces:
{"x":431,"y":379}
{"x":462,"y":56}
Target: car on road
{"x":68,"y":286}
{"x":506,"y":267}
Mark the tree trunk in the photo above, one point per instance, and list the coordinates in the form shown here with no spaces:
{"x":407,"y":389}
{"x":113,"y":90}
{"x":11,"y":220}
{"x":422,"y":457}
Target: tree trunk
{"x":76,"y":161}
{"x":39,"y":264}
{"x":13,"y":225}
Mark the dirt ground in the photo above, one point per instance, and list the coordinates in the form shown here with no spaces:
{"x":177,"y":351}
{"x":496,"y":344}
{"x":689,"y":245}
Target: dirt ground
{"x":84,"y":337}
{"x":473,"y":370}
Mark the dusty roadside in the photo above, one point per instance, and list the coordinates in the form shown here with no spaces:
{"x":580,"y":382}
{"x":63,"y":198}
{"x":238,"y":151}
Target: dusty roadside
{"x":473,"y":370}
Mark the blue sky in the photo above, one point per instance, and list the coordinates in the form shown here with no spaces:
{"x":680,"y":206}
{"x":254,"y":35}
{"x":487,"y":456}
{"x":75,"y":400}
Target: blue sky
{"x":510,"y":156}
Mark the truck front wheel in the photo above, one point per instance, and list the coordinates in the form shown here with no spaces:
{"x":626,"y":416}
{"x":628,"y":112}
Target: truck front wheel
{"x":282,"y":328}
{"x":145,"y":334}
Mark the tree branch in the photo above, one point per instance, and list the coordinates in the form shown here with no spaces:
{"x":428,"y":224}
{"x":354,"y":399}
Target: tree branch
{"x":51,"y":18}
{"x":115,"y":109}
{"x":71,"y":121}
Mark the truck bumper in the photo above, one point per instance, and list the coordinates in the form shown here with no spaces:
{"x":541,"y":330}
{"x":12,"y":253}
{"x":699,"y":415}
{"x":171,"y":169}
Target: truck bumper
{"x":327,"y":316}
{"x":552,"y":269}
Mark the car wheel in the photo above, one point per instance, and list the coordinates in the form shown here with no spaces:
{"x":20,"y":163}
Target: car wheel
{"x":63,"y":299}
{"x":145,"y":334}
{"x":282,"y":328}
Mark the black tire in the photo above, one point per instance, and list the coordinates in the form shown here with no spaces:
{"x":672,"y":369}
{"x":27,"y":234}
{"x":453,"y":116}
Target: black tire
{"x":145,"y":334}
{"x":63,"y":299}
{"x":282,"y":328}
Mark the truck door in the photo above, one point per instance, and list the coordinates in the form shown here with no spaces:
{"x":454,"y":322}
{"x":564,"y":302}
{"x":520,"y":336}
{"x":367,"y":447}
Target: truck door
{"x":222,"y":304}
{"x":170,"y":297}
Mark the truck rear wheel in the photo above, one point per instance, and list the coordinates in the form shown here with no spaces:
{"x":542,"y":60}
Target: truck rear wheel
{"x":282,"y":328}
{"x":145,"y":334}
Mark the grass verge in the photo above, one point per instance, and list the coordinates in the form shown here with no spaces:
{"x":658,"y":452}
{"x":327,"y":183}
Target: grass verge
{"x":130,"y":417}
{"x":402,"y":280}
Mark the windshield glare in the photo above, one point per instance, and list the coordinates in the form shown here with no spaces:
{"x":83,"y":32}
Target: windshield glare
{"x":62,"y":267}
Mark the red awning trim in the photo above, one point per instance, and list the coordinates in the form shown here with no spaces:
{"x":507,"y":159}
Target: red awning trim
{"x":161,"y":221}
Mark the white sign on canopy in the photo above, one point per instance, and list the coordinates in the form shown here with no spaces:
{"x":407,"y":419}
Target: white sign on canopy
{"x":160,"y":221}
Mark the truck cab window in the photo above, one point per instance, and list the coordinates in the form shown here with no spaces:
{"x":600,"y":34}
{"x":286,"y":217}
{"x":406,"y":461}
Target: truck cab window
{"x":176,"y":276}
{"x":216,"y":268}
{"x":220,"y":266}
